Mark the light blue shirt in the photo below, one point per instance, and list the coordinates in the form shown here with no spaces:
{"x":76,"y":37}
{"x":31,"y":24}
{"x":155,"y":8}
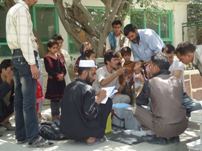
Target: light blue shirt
{"x":150,"y":43}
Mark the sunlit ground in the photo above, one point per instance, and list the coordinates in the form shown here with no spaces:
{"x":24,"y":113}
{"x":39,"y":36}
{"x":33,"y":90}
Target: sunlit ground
{"x":7,"y":143}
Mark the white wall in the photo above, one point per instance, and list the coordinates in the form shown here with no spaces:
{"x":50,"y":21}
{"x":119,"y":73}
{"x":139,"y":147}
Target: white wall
{"x":179,"y":17}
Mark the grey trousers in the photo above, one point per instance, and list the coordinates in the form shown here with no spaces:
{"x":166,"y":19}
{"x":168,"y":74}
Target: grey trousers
{"x":160,"y":128}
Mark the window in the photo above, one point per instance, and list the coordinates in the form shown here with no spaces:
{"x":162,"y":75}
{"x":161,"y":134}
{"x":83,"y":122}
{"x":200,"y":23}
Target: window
{"x":4,"y":50}
{"x":159,"y":21}
{"x":45,"y":21}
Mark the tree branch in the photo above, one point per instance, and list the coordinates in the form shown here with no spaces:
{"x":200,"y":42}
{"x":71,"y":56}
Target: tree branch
{"x":84,"y":17}
{"x":66,"y":24}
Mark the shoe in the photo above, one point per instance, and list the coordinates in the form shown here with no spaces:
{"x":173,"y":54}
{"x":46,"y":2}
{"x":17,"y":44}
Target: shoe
{"x":164,"y":141}
{"x":173,"y":140}
{"x":23,"y":141}
{"x":158,"y":140}
{"x":40,"y":142}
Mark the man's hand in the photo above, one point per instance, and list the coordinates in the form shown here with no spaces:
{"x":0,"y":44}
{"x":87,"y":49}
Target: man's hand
{"x":100,"y":96}
{"x":60,"y":77}
{"x":120,"y":71}
{"x":9,"y":79}
{"x":34,"y":71}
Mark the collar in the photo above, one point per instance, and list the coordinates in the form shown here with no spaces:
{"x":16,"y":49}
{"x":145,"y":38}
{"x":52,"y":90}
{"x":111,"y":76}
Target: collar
{"x":195,"y":58}
{"x":83,"y":81}
{"x":24,"y":4}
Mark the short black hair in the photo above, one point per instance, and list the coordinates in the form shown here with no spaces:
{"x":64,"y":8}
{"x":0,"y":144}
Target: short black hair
{"x":185,"y":47}
{"x":116,"y":22}
{"x":81,"y":69}
{"x":52,"y":42}
{"x":129,"y":28}
{"x":109,"y":55}
{"x":125,"y":50}
{"x":168,"y":49}
{"x":5,"y":64}
{"x":161,"y":61}
{"x":89,"y":52}
{"x":57,"y":37}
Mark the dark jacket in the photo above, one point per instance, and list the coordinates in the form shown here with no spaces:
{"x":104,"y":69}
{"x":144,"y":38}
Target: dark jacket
{"x":81,"y":117}
{"x":6,"y":108}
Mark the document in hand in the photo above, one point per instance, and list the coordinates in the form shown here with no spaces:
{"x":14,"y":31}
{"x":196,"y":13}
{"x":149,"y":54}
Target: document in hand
{"x":110,"y":91}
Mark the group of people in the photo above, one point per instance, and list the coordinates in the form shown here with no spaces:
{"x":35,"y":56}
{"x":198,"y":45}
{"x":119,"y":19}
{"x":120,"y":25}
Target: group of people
{"x":135,"y":58}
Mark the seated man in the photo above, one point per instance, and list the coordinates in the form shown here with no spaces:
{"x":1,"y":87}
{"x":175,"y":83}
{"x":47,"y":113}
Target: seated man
{"x":108,"y":76}
{"x":167,"y":118}
{"x":177,"y":70}
{"x":82,"y":115}
{"x":6,"y":93}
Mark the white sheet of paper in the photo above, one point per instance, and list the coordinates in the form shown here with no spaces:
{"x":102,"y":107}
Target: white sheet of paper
{"x":110,"y":91}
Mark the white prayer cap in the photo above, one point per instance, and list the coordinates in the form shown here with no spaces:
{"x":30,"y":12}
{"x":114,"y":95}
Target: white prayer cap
{"x":87,"y":64}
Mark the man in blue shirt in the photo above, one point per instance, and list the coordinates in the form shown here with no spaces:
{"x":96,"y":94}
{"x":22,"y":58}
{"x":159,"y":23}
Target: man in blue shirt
{"x":144,"y":42}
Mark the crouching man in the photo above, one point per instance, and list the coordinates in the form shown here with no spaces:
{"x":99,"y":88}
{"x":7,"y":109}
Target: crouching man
{"x":167,"y":118}
{"x":82,"y":115}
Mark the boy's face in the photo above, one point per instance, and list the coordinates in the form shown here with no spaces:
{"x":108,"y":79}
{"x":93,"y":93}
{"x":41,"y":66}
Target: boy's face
{"x":170,"y":57}
{"x":186,"y":58}
{"x":127,"y":57}
{"x":60,"y":43}
{"x":117,"y":29}
{"x":153,"y":69}
{"x":8,"y":72}
{"x":114,"y":63}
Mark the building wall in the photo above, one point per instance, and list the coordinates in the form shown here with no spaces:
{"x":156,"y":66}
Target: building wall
{"x":179,"y":17}
{"x":193,"y":84}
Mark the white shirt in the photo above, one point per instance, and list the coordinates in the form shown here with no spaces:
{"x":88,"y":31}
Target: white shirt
{"x":101,"y":74}
{"x":19,"y":32}
{"x":178,"y":66}
{"x":67,"y":64}
{"x":125,"y":44}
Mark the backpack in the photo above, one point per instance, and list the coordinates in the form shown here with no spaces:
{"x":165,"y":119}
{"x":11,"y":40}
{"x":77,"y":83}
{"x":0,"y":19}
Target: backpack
{"x":123,"y":117}
{"x":50,"y":131}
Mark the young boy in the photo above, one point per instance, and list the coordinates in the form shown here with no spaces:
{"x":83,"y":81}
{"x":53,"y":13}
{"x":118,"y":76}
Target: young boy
{"x":188,"y":53}
{"x":126,"y":54}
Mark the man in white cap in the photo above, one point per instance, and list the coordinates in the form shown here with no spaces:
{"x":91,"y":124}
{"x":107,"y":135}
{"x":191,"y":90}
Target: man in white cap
{"x":83,"y":117}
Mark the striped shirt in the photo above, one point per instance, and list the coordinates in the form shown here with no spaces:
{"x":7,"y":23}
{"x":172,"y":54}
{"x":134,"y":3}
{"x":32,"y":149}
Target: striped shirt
{"x":19,"y":32}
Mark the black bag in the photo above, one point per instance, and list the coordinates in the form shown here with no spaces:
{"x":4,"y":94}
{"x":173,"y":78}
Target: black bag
{"x":51,"y":131}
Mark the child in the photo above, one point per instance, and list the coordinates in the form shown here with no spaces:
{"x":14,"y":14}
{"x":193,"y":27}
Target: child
{"x":188,"y":53}
{"x":64,"y":56}
{"x":126,"y":54}
{"x":90,"y":55}
{"x":56,"y":83}
{"x":85,"y":46}
{"x":39,"y":89}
